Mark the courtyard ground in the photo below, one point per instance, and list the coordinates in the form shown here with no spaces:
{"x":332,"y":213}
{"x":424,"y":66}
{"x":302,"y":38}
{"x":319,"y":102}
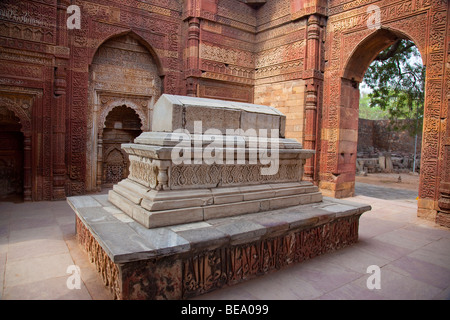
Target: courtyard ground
{"x":38,"y":245}
{"x":407,"y":181}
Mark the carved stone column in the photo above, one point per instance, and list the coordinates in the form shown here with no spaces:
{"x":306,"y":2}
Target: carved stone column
{"x":193,"y":71}
{"x":27,"y":196}
{"x":314,"y":80}
{"x":443,"y":214}
{"x":59,"y":133}
{"x":99,"y":160}
{"x":59,"y":104}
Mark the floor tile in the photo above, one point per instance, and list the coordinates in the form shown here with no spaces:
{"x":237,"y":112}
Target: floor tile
{"x":432,"y":256}
{"x":356,"y":259}
{"x":25,"y":271}
{"x":36,"y":248}
{"x":352,"y":292}
{"x":404,"y":238}
{"x":395,"y":286}
{"x":324,"y":275}
{"x":371,"y":227}
{"x":424,"y":271}
{"x":52,"y":232}
{"x":48,"y":289}
{"x":382,"y":249}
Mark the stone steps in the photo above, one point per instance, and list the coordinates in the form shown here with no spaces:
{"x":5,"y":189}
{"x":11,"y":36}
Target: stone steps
{"x":162,"y":208}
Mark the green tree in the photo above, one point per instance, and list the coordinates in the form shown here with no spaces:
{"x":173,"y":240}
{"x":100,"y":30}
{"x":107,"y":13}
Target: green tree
{"x":366,"y":112}
{"x":396,"y":79}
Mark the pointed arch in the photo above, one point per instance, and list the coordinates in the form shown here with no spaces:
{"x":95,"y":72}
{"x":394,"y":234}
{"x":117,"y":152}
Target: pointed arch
{"x":139,"y":39}
{"x":124,"y":71}
{"x":21,"y":107}
{"x":110,"y":106}
{"x":367,"y":50}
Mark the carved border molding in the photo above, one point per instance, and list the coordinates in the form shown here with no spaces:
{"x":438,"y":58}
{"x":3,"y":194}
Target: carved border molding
{"x":20,"y":101}
{"x":108,"y":101}
{"x":191,"y":274}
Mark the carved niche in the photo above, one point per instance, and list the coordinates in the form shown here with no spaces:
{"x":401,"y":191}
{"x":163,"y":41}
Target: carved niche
{"x":123,"y":73}
{"x":11,"y":154}
{"x":122,"y":125}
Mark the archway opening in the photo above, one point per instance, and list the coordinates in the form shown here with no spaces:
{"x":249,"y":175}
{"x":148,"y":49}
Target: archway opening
{"x":391,"y":115}
{"x":385,"y":80}
{"x":341,"y":122}
{"x":11,"y":157}
{"x":122,"y":125}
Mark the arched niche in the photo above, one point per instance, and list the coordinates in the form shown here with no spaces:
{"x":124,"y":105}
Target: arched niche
{"x":121,"y":125}
{"x":124,"y":72}
{"x":16,"y":128}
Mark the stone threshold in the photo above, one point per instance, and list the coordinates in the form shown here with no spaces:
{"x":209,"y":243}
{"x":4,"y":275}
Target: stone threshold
{"x":168,"y":259}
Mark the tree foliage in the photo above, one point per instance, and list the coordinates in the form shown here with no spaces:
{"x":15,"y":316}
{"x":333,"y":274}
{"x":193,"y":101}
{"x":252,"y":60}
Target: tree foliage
{"x":370,"y":113}
{"x":396,"y":79}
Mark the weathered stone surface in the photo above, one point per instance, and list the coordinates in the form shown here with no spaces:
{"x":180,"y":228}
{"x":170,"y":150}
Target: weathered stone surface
{"x":155,"y":219}
{"x":239,"y":179}
{"x":244,"y":232}
{"x":181,"y":112}
{"x":239,"y":226}
{"x":85,"y":202}
{"x":229,"y":210}
{"x":180,"y":261}
{"x":164,"y":241}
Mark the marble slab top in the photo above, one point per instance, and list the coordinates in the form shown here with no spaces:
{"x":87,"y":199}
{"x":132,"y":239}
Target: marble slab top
{"x":203,"y":115}
{"x":125,"y":240}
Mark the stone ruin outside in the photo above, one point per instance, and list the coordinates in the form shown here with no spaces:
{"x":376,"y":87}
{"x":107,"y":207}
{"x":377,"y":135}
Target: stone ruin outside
{"x":384,"y":150}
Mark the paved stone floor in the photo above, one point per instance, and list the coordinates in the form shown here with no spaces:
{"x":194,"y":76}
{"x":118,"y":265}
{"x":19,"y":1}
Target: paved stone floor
{"x":37,"y":245}
{"x":386,"y":193}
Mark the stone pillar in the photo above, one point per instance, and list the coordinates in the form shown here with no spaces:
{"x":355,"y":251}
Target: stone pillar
{"x":443,"y":214}
{"x":59,"y":105}
{"x":99,"y":160}
{"x":27,"y":194}
{"x":193,"y":71}
{"x":59,"y":132}
{"x":314,"y":80}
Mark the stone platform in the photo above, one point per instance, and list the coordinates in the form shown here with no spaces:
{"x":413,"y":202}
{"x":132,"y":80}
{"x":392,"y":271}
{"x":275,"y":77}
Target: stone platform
{"x":187,"y":260}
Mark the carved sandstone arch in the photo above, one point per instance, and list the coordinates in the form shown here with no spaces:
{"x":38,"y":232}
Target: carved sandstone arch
{"x":341,"y":129}
{"x":124,"y":71}
{"x":122,"y":124}
{"x":21,"y":104}
{"x":367,"y":50}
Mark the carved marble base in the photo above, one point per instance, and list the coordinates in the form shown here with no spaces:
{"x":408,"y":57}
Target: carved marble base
{"x":154,"y":208}
{"x":187,"y":260}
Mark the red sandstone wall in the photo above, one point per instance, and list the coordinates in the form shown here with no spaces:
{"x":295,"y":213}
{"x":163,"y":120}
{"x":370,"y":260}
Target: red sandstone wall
{"x":221,"y":49}
{"x":378,"y":135}
{"x":280,"y":53}
{"x":226,"y":51}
